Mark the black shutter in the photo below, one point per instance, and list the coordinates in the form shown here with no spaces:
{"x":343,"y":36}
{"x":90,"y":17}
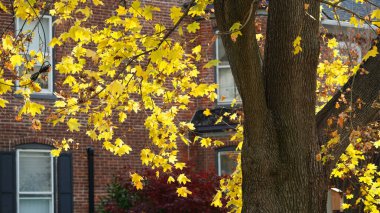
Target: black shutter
{"x":7,"y":182}
{"x":65,"y":183}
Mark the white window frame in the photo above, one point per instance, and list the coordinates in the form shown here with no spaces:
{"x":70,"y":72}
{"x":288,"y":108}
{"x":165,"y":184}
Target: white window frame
{"x":49,"y":54}
{"x":219,"y":160}
{"x":218,"y":67}
{"x":51,"y":193}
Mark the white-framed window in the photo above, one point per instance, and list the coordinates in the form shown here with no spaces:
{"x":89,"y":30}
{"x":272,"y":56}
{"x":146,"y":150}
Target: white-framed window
{"x":42,"y":32}
{"x":227,"y":161}
{"x":227,"y":90}
{"x":35,"y":181}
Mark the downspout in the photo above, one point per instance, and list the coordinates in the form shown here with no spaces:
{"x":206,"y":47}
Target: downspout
{"x":90,"y":165}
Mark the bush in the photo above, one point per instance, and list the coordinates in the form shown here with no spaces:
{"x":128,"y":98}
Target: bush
{"x":160,"y":196}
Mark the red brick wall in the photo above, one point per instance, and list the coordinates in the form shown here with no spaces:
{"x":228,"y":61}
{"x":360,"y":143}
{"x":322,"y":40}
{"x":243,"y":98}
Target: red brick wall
{"x":106,"y":165}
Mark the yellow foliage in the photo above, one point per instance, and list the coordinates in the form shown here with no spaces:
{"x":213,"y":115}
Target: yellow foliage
{"x":183,"y":191}
{"x":182,"y":179}
{"x":136,"y":180}
{"x":297,"y":45}
{"x":73,"y":124}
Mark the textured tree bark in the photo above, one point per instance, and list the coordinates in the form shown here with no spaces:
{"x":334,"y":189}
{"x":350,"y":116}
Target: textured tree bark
{"x":280,"y":173}
{"x":282,"y":133}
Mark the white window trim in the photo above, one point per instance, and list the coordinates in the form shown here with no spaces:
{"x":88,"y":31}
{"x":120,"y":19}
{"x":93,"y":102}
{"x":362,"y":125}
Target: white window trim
{"x":49,"y":52}
{"x":219,"y":160}
{"x":347,"y":24}
{"x":51,"y":193}
{"x":218,"y":67}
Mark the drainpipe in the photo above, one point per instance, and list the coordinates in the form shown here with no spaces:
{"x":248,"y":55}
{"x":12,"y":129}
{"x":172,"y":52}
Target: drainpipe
{"x":90,"y":165}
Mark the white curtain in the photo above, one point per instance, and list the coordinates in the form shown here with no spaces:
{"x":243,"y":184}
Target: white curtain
{"x":35,"y":178}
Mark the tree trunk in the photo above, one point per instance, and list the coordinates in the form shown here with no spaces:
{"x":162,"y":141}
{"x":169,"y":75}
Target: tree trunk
{"x":280,"y":173}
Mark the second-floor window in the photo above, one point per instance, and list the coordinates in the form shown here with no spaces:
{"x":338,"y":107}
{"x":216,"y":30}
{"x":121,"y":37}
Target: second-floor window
{"x":227,"y":90}
{"x":40,"y":32}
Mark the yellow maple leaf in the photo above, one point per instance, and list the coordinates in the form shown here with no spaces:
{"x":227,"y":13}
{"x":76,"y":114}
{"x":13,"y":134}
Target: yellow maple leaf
{"x":108,"y":146}
{"x":59,"y":104}
{"x":73,"y":124}
{"x":218,"y":143}
{"x":56,"y":152}
{"x":98,"y":2}
{"x":206,"y":142}
{"x":184,"y":139}
{"x":259,"y":36}
{"x":345,"y":206}
{"x":171,"y":179}
{"x":136,"y":180}
{"x":8,"y":43}
{"x":70,"y":80}
{"x":332,"y":43}
{"x":182,"y":179}
{"x":372,"y":53}
{"x":148,"y":12}
{"x":121,"y":11}
{"x":32,"y":108}
{"x":16,"y":60}
{"x":297,"y":45}
{"x":122,"y":117}
{"x":354,"y":21}
{"x":377,"y":144}
{"x":193,"y":27}
{"x":207,"y":112}
{"x":3,"y":102}
{"x":211,"y":63}
{"x":175,"y":14}
{"x":85,"y":11}
{"x":55,"y":41}
{"x":4,"y":8}
{"x":235,"y":31}
{"x":122,"y":150}
{"x":179,"y":165}
{"x":217,"y":199}
{"x":375,"y":14}
{"x":239,"y":146}
{"x":92,"y":134}
{"x":183,"y":192}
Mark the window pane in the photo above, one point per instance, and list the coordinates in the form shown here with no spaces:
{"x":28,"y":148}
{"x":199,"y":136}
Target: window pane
{"x":35,"y":205}
{"x":222,"y":57}
{"x":38,"y":28}
{"x":43,"y":78}
{"x":34,"y":172}
{"x":227,"y":89}
{"x":227,"y":162}
{"x":353,"y":49}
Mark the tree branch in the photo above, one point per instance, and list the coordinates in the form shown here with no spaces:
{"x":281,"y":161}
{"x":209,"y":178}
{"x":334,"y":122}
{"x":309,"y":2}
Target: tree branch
{"x":367,"y":87}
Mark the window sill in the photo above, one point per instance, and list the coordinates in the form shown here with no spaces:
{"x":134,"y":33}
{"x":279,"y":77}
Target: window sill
{"x":228,"y":104}
{"x":41,"y":96}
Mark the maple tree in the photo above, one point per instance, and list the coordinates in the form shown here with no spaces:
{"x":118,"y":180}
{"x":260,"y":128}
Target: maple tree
{"x":123,"y":68}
